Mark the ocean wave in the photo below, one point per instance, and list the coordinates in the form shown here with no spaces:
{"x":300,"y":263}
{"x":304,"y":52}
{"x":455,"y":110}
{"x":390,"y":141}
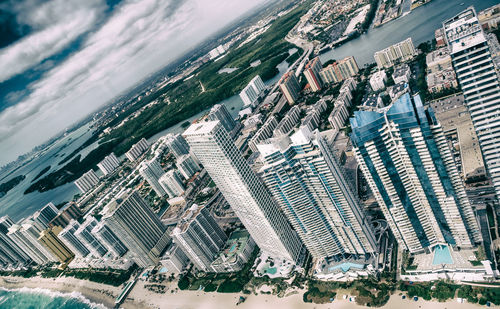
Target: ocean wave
{"x":53,"y":294}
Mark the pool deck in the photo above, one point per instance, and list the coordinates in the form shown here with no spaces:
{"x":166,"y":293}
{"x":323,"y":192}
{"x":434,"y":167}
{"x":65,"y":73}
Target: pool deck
{"x":460,"y":260}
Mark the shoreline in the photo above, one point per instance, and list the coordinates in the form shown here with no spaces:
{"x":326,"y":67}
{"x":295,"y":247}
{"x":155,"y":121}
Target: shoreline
{"x":141,"y":297}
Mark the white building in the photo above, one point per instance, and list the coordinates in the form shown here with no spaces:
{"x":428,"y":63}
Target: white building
{"x":397,"y":53}
{"x":188,"y":166}
{"x":402,"y":74}
{"x":131,"y":219}
{"x":109,"y":164}
{"x":172,"y":183}
{"x":137,"y":150}
{"x":199,"y":236}
{"x":303,"y":176}
{"x":251,"y":93}
{"x":87,"y":181}
{"x":478,"y":79}
{"x":174,"y":260}
{"x":243,"y":190}
{"x":151,"y":171}
{"x":377,"y":80}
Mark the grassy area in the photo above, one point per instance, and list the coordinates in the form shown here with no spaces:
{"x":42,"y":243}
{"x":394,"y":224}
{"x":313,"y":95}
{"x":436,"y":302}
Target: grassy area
{"x":185,"y":98}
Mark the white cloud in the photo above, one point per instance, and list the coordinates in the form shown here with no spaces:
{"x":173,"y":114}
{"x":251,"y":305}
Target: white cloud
{"x":139,"y":38}
{"x":56,"y":24}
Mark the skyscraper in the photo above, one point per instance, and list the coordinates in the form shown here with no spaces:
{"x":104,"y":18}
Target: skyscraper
{"x":290,"y":87}
{"x":172,"y":183}
{"x":188,"y":166}
{"x":85,"y":235}
{"x":302,"y":174}
{"x":45,"y":215}
{"x":151,"y":171}
{"x":311,"y":71}
{"x":250,"y":94}
{"x":67,"y":235}
{"x":177,"y":145}
{"x":109,"y":239}
{"x":141,"y":231}
{"x":475,"y":70}
{"x":199,"y":236}
{"x":26,"y":236}
{"x":408,"y":164}
{"x":243,"y":190}
{"x":48,"y":238}
{"x":10,"y":252}
{"x":220,"y":112}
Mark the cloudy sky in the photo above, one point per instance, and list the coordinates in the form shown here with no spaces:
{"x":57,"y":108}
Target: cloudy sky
{"x":62,"y":59}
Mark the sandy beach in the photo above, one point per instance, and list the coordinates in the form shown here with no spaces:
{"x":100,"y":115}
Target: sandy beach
{"x":140,"y":297}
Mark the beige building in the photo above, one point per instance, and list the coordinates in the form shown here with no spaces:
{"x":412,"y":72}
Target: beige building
{"x":338,"y":71}
{"x":396,"y":53}
{"x":290,"y":87}
{"x":48,"y":238}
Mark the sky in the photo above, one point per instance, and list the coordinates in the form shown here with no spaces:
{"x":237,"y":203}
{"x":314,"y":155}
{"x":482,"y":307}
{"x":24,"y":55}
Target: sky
{"x":62,"y":59}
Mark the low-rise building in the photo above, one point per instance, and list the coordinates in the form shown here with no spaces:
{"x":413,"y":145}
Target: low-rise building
{"x":402,"y":74}
{"x":174,"y":260}
{"x":377,"y":80}
{"x":236,"y":253}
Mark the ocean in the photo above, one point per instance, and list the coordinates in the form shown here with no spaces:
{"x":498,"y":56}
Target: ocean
{"x":25,"y":298}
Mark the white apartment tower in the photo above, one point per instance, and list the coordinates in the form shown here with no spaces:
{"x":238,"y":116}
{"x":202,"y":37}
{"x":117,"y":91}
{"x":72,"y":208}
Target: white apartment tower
{"x":87,"y":181}
{"x":151,"y":171}
{"x":476,"y":74}
{"x":302,"y":174}
{"x":243,"y":190}
{"x":108,"y":164}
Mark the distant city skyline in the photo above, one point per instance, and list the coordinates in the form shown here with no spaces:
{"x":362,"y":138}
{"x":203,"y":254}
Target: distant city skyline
{"x":67,"y":66}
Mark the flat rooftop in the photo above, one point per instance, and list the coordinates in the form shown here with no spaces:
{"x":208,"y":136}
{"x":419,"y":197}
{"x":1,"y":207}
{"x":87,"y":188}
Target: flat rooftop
{"x":455,"y":118}
{"x":201,"y":128}
{"x":444,"y":257}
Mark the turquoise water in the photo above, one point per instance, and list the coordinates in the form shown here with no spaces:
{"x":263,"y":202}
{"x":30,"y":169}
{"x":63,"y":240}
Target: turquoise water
{"x":442,"y":255}
{"x":346,"y":266}
{"x":25,"y":298}
{"x":271,"y":270}
{"x":233,"y":247}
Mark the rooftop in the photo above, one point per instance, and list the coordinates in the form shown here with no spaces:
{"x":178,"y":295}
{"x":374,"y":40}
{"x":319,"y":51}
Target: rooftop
{"x":201,"y":128}
{"x":463,"y":30}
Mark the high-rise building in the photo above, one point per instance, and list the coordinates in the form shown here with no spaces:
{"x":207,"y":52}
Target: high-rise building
{"x":130,"y":218}
{"x":67,"y":235}
{"x":339,"y":71}
{"x":199,"y":236}
{"x":137,"y":150}
{"x":177,"y":145}
{"x":243,"y":190}
{"x":87,"y":181}
{"x":478,"y":78}
{"x":26,"y":236}
{"x":265,"y":132}
{"x":109,"y":164}
{"x":109,"y":239}
{"x":377,"y":80}
{"x":251,"y":93}
{"x":302,"y":174}
{"x":397,"y":53}
{"x":48,"y":238}
{"x":151,"y":171}
{"x":290,"y":87}
{"x":220,"y":112}
{"x":68,"y":212}
{"x":188,"y":166}
{"x":311,"y":72}
{"x":45,"y":215}
{"x":85,"y":235}
{"x":409,"y":167}
{"x":172,"y":183}
{"x":175,"y":260}
{"x":10,"y":253}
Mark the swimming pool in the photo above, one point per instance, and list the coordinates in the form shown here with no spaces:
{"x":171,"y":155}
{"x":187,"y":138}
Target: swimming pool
{"x":346,"y":266}
{"x":442,"y":255}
